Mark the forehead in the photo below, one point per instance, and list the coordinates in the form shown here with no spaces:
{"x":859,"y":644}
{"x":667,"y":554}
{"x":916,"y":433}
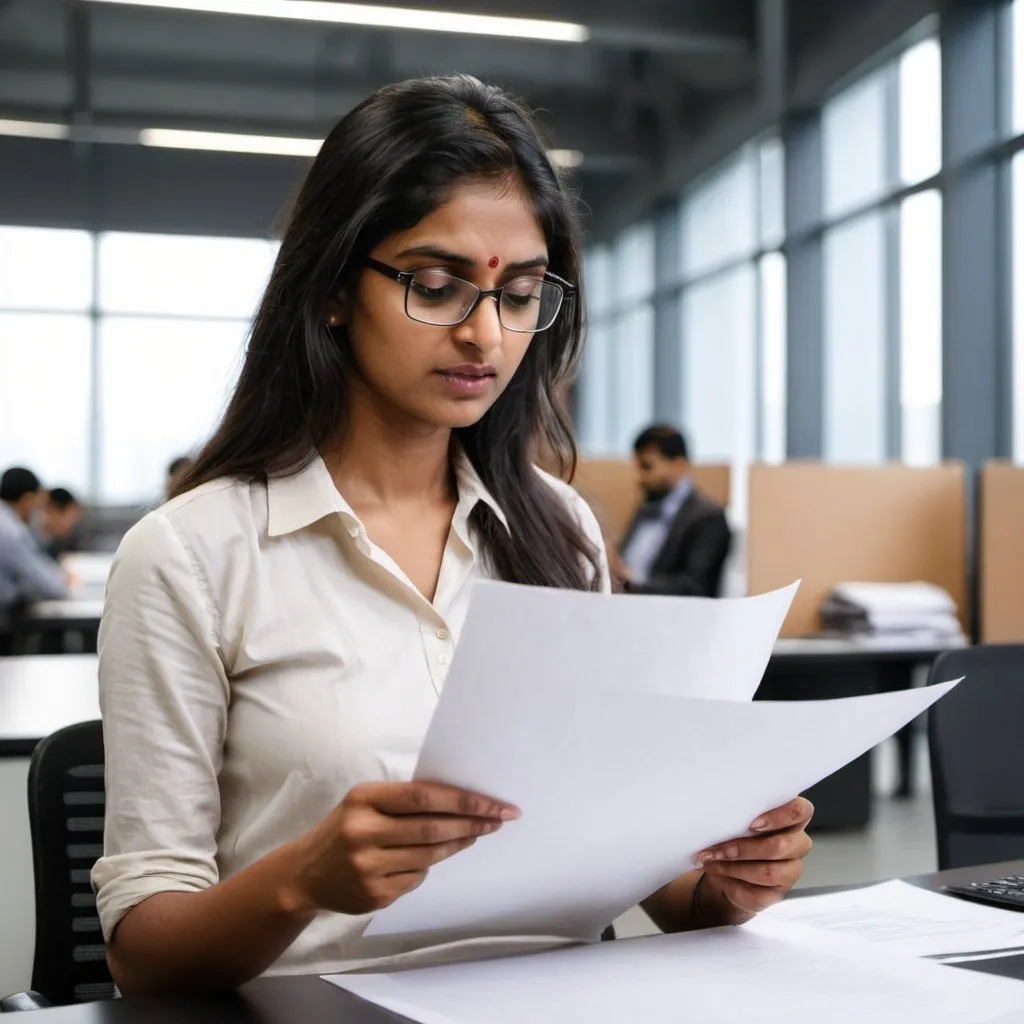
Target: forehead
{"x":481,"y":219}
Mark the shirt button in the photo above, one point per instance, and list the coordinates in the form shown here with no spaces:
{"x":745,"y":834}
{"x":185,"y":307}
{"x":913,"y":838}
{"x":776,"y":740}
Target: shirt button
{"x":444,"y":658}
{"x":443,"y":634}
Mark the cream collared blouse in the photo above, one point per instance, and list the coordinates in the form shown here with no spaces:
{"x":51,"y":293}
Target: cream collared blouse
{"x":260,"y":656}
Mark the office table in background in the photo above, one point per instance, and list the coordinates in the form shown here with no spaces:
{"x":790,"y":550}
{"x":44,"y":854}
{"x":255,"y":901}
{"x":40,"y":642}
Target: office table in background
{"x":313,"y":1001}
{"x":829,"y":667}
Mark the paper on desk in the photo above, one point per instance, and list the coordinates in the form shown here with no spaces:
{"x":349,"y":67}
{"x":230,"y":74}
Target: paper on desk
{"x":775,"y":974}
{"x":907,"y":920}
{"x":692,"y":646}
{"x":619,"y":789}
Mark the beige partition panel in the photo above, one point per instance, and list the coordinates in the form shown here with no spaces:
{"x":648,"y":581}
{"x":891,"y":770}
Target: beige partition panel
{"x":611,"y":489}
{"x":834,"y":524}
{"x":1001,"y":557}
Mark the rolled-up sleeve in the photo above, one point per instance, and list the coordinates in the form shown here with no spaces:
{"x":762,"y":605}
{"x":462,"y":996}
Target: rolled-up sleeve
{"x":164,"y":699}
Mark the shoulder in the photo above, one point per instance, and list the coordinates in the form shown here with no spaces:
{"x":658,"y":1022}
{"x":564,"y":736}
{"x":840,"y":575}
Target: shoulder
{"x":204,"y":526}
{"x":706,"y":507}
{"x":573,"y":501}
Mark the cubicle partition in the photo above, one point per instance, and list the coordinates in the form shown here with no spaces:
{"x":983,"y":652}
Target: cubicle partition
{"x":827,"y":524}
{"x":1001,"y":553}
{"x":611,"y":489}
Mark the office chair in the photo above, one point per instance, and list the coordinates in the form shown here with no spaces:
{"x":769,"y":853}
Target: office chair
{"x":65,"y":807}
{"x":977,"y":757}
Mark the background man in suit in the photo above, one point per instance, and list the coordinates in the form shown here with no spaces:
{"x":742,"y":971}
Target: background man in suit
{"x":679,"y":539}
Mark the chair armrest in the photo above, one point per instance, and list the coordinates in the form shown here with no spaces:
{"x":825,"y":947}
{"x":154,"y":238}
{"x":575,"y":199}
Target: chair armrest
{"x":24,"y":1001}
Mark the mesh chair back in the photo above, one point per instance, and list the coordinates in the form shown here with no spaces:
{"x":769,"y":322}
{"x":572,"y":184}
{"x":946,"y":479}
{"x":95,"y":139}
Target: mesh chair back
{"x":66,"y":803}
{"x":976,"y":738}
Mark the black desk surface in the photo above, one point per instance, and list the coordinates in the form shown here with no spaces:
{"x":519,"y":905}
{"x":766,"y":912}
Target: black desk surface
{"x":308,"y":1000}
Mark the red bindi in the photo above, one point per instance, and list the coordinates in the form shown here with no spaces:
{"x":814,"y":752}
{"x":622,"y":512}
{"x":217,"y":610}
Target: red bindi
{"x":493,"y":262}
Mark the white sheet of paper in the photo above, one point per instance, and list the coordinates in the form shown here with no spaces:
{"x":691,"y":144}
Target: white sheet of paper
{"x":619,"y":789}
{"x":775,"y":974}
{"x":688,"y":647}
{"x":907,"y":920}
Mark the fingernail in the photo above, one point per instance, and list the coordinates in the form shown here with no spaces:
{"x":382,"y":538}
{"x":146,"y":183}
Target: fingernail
{"x":492,"y":826}
{"x":731,"y":852}
{"x":759,"y":825}
{"x":510,"y":814}
{"x":702,"y":858}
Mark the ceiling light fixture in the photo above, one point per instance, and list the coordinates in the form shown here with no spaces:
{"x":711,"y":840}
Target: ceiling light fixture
{"x":379,"y":17}
{"x":226,"y":142}
{"x":568,"y":158}
{"x":34,"y":129}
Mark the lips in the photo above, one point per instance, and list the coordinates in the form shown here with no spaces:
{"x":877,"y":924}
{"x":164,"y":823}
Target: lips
{"x":470,"y":370}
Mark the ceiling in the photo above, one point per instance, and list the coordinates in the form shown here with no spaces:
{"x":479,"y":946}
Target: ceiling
{"x":651,"y":74}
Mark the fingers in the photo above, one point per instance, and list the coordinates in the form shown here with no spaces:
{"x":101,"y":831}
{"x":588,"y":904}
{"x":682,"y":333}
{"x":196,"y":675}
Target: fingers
{"x":432,"y":830}
{"x":764,"y":874}
{"x":747,"y":898}
{"x":796,"y":814}
{"x":780,"y":846}
{"x":434,"y":798}
{"x":416,"y":859}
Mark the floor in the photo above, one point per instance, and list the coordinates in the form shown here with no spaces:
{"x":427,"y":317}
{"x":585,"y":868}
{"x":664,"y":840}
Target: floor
{"x":900,"y":840}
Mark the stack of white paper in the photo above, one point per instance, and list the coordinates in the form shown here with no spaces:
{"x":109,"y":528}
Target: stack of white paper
{"x":908,"y":921}
{"x":556,"y":705}
{"x":770,"y":974}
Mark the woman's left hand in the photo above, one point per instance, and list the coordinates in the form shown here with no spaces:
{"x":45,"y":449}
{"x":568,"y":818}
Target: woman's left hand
{"x":746,"y":876}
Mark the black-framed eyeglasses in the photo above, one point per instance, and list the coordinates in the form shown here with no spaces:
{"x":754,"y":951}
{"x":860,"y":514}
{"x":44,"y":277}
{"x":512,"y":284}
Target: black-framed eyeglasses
{"x":526,"y":304}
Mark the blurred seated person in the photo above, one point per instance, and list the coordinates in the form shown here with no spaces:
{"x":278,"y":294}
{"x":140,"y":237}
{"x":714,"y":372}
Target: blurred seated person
{"x":58,"y":521}
{"x":26,"y":572}
{"x":679,"y":539}
{"x":175,"y":471}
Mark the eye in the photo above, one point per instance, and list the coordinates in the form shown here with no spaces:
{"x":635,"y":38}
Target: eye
{"x":433,"y":285}
{"x":521,"y":291}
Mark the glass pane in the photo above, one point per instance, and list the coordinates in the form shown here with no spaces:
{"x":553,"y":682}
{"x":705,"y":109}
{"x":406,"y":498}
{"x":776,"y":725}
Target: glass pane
{"x":594,"y":392}
{"x":853,"y":129}
{"x":773,"y":357}
{"x":633,"y":382}
{"x":921,"y":327}
{"x":920,"y":78}
{"x":719,"y":318}
{"x":773,"y":192}
{"x":632,"y":270}
{"x":719,"y":217}
{"x":1018,"y":306}
{"x":44,"y":395}
{"x":163,"y":385}
{"x":854,"y":393}
{"x":597,"y":280}
{"x":182,"y":275}
{"x":45,"y":268}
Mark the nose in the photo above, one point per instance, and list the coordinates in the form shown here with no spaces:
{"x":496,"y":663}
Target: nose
{"x":482,"y":329}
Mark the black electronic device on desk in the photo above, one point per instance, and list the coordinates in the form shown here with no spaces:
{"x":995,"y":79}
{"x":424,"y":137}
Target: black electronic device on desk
{"x":1006,"y":893}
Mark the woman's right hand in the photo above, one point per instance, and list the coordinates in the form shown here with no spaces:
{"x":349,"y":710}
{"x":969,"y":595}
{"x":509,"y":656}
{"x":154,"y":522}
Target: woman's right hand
{"x":383,"y":838}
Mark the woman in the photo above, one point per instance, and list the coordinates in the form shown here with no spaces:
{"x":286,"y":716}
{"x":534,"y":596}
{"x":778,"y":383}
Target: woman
{"x":276,"y":636}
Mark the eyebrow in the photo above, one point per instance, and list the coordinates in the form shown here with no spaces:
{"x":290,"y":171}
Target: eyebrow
{"x":461,"y":260}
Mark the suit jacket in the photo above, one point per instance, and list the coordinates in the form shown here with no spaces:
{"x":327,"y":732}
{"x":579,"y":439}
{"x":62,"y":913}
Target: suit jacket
{"x":693,"y":556}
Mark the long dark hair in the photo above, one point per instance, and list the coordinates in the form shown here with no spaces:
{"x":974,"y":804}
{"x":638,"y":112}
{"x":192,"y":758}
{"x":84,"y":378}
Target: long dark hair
{"x":382,"y":169}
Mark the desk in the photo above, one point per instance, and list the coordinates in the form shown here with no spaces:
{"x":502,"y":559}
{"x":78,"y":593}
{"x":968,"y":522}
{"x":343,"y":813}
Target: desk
{"x":312,"y":1001}
{"x":49,"y":621}
{"x":830,"y":667}
{"x":40,"y":694}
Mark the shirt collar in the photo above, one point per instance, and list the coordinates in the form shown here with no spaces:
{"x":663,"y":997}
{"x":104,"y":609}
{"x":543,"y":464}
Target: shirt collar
{"x":673,"y":501}
{"x":300,"y":499}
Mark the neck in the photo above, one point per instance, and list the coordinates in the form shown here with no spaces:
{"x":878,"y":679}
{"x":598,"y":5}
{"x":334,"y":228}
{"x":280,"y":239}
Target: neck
{"x":381,"y":460}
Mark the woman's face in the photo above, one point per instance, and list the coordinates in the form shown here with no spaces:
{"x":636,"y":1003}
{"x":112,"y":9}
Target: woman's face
{"x":429,"y":376}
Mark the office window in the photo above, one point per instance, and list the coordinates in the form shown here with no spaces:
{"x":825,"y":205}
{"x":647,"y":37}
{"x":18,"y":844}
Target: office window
{"x":772,"y":281}
{"x":853,"y":139}
{"x":163,"y":384}
{"x":921,"y":327}
{"x":855,"y":349}
{"x":920,"y":91}
{"x":1017,"y":70}
{"x":593,"y":392}
{"x":631,"y":275}
{"x":182,"y":275}
{"x":719,"y":319}
{"x":632,"y":369}
{"x":45,"y":269}
{"x":719,"y":217}
{"x":598,"y":283}
{"x":1018,"y":305}
{"x":772,"y":193}
{"x":44,"y":396}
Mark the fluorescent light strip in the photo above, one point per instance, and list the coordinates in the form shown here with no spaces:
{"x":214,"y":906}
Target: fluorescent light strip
{"x":224,"y":142}
{"x":379,"y":17}
{"x":568,"y":158}
{"x":34,"y":129}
